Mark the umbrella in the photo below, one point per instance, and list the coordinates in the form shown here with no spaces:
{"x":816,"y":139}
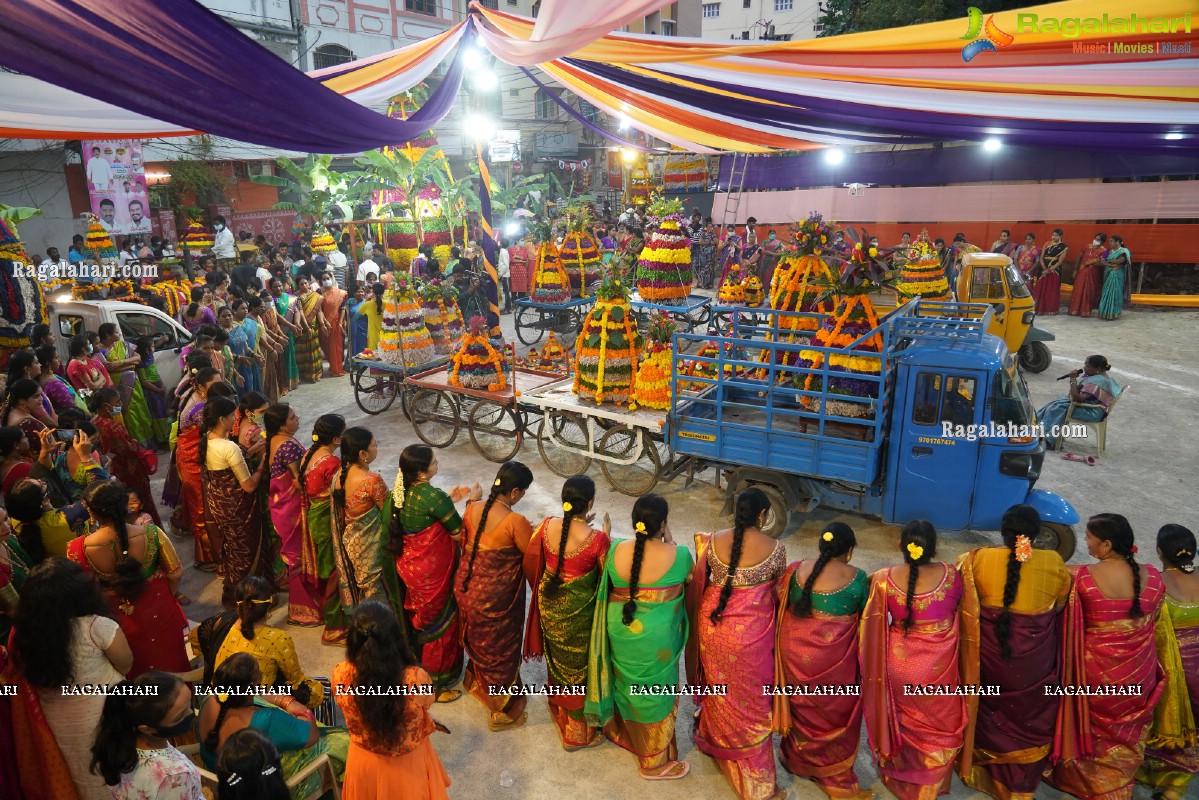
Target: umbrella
{"x":522,"y":212}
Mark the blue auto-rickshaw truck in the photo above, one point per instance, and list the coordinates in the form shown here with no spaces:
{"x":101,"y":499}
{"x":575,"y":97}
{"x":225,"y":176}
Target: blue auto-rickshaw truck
{"x":934,"y":423}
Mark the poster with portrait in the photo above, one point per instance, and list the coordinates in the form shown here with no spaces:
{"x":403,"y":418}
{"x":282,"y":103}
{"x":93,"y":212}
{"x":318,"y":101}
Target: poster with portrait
{"x":116,"y":186}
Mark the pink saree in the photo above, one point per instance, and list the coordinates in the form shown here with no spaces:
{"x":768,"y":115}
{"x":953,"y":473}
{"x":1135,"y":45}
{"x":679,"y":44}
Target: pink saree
{"x":288,"y":509}
{"x":915,"y":737}
{"x":736,"y":728}
{"x":1100,"y":740}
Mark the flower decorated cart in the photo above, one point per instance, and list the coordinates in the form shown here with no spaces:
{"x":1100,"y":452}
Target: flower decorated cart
{"x":664,"y":269}
{"x":550,"y":306}
{"x":608,"y":348}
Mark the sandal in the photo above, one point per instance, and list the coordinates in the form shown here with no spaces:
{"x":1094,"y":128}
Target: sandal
{"x":449,"y":695}
{"x":683,"y":769}
{"x":1072,"y":457}
{"x":209,"y":568}
{"x":595,"y":742}
{"x":496,"y":727}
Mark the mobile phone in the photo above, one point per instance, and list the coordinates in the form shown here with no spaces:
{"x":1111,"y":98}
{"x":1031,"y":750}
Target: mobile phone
{"x":65,"y":435}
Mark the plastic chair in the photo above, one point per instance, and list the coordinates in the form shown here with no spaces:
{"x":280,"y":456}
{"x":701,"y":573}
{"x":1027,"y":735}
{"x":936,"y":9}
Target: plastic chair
{"x":211,"y":785}
{"x":1099,"y":427}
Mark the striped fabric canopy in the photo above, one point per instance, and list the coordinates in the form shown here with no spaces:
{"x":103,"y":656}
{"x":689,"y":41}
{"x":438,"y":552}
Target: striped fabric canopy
{"x":965,"y":79}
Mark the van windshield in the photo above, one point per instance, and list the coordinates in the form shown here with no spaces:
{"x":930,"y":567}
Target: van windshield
{"x":1010,"y":403}
{"x":1016,"y":282}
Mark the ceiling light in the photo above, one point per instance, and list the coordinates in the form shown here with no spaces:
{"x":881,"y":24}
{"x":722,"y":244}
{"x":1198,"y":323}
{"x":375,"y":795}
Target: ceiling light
{"x":992,"y":145}
{"x":1173,"y":137}
{"x":834,"y":155}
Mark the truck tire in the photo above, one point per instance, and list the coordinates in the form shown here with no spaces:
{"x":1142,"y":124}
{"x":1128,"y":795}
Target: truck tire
{"x":778,"y":519}
{"x":1035,"y":357}
{"x":1056,"y":536}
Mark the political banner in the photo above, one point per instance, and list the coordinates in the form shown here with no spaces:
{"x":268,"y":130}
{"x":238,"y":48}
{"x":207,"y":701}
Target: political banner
{"x":116,"y":186}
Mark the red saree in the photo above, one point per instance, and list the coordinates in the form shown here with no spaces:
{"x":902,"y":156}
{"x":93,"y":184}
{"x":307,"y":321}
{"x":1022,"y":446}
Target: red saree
{"x":191,"y":482}
{"x":332,"y":302}
{"x":915,"y":737}
{"x":1088,"y":282}
{"x":1100,"y":740}
{"x":427,"y":568}
{"x":125,"y":464}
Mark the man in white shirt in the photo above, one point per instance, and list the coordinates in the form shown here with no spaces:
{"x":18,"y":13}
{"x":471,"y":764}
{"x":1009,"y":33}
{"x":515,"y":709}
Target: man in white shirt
{"x":337,"y":265}
{"x":138,"y":221}
{"x":54,"y":266}
{"x":224,"y":247}
{"x":108,"y":214}
{"x":503,"y":269}
{"x":99,"y":171}
{"x":367,"y":266}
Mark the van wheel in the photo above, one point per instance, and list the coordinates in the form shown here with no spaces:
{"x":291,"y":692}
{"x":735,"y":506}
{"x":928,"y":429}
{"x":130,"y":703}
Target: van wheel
{"x":1056,"y":536}
{"x":778,"y":518}
{"x":1035,"y":357}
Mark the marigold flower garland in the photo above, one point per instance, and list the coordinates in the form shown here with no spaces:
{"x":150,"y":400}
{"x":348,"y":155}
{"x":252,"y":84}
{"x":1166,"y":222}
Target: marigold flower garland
{"x":921,"y":273}
{"x":550,"y":281}
{"x":752,"y":287}
{"x":579,"y":253}
{"x":322,"y":241}
{"x":653,"y":376}
{"x":197,"y":237}
{"x":98,"y":244}
{"x":731,"y":292}
{"x":439,"y":307}
{"x":664,"y":268}
{"x":413,"y":345}
{"x":478,"y":363}
{"x":853,"y":317}
{"x":685,"y":172}
{"x":607,"y":348}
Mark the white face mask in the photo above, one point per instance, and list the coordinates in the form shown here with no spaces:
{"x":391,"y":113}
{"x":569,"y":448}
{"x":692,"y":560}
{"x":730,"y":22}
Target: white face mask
{"x":1096,"y":243}
{"x":328,"y":284}
{"x":219,"y":227}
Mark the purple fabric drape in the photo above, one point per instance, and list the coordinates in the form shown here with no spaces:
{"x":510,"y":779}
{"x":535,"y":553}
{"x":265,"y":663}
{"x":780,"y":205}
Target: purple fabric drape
{"x":588,"y":124}
{"x":181,"y":63}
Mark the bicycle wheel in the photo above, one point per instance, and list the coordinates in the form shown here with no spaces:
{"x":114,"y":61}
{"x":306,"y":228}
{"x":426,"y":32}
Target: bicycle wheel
{"x":495,"y":430}
{"x":435,"y":417}
{"x":526,"y":333}
{"x":563,"y":444}
{"x":374,"y":393}
{"x":633,"y":479}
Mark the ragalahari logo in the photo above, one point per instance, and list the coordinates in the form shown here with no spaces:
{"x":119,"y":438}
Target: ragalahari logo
{"x":992,"y":39}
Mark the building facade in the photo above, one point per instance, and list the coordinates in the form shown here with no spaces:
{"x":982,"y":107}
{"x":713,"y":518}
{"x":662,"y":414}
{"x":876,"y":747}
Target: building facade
{"x":778,"y":20}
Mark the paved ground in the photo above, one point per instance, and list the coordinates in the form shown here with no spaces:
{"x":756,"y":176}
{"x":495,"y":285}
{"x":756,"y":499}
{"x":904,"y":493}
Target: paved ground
{"x":1148,"y":475}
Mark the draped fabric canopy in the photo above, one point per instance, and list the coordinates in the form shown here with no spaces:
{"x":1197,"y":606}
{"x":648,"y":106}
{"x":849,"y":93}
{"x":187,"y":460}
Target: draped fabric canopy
{"x":184,"y":70}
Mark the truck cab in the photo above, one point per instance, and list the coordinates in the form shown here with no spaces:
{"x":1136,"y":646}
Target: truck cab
{"x":71,"y":317}
{"x":993,"y":279}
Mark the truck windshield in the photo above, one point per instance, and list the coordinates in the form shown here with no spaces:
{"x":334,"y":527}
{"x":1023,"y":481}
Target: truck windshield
{"x":1016,"y":281}
{"x":1010,"y":403}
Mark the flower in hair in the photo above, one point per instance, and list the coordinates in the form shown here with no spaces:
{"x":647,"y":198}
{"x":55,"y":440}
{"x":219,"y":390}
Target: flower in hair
{"x":1023,"y":548}
{"x":639,"y":527}
{"x":828,"y":536}
{"x":1183,"y":552}
{"x":315,"y":438}
{"x":222,"y":697}
{"x":497,"y":481}
{"x":397,"y":494}
{"x":567,"y":506}
{"x":269,"y":770}
{"x":1134,"y":549}
{"x":915,"y":551}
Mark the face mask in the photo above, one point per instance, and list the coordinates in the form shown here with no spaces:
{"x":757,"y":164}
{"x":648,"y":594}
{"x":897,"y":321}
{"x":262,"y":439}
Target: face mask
{"x":772,"y":236}
{"x":134,"y":508}
{"x":90,"y":349}
{"x":256,"y":419}
{"x":328,"y":284}
{"x":116,"y":409}
{"x":1096,"y":243}
{"x":178,"y":729}
{"x":219,"y":227}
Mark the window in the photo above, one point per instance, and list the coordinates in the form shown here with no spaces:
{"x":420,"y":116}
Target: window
{"x":1016,"y":281}
{"x":492,"y":4}
{"x":330,"y":55}
{"x":544,"y":105}
{"x":512,"y":2}
{"x":589,"y":112}
{"x":745,"y":3}
{"x":421,"y":7}
{"x":514,"y":92}
{"x":1011,"y":403}
{"x":668,"y":27}
{"x":536,"y":9}
{"x":134,"y":325}
{"x":69,"y":325}
{"x":987,"y":284}
{"x":956,"y":404}
{"x":784,"y":5}
{"x":928,"y":399}
{"x":711,"y":10}
{"x":817,"y":27}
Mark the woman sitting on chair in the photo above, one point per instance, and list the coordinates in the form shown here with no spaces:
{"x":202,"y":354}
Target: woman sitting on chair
{"x":1095,"y":388}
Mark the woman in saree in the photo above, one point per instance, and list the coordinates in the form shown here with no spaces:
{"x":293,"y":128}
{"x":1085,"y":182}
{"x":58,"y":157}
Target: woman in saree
{"x":1172,"y":752}
{"x":270,"y":344}
{"x":637,"y":637}
{"x":289,"y":312}
{"x":58,"y":391}
{"x":1028,"y":256}
{"x":360,"y":498}
{"x":820,"y":608}
{"x":282,"y":718}
{"x":22,"y":402}
{"x":15,"y":565}
{"x":1013,"y":596}
{"x":155,"y":392}
{"x":730,"y":252}
{"x":910,"y":638}
{"x":1090,"y":385}
{"x":1107,"y":640}
{"x":308,"y":347}
{"x":122,"y":365}
{"x":1117,"y":280}
{"x":314,"y":595}
{"x":232,"y":512}
{"x":1088,"y":277}
{"x":490,"y":591}
{"x":733,"y":616}
{"x":332,"y":322}
{"x":563,"y":564}
{"x":199,"y":312}
{"x":139,"y":572}
{"x":185,"y":462}
{"x":1048,"y":289}
{"x":243,"y":343}
{"x":425,"y":531}
{"x":703,"y":256}
{"x":285,"y":502}
{"x":124,"y":457}
{"x":251,"y":437}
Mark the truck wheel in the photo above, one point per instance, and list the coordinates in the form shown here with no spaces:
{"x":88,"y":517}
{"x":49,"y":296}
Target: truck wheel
{"x":1056,"y":536}
{"x":1035,"y":357}
{"x":778,"y":518}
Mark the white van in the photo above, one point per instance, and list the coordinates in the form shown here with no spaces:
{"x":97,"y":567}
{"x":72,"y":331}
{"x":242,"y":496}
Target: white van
{"x":71,"y":317}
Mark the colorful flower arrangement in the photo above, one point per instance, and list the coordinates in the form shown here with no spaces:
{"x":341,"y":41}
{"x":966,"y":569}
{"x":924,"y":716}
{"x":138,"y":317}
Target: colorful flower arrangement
{"x":402,"y":238}
{"x":174,"y":294}
{"x":410,"y":344}
{"x":22,"y":299}
{"x":435,"y":232}
{"x":580,"y":254}
{"x":752,"y":286}
{"x":478,"y":363}
{"x":707,"y":369}
{"x":10,"y":245}
{"x":553,"y":355}
{"x":322,"y":240}
{"x":439,"y":305}
{"x":685,"y":172}
{"x":550,"y":281}
{"x":812,"y":236}
{"x":664,"y":269}
{"x":98,"y":244}
{"x":921,"y":274}
{"x":653,"y":376}
{"x":606,"y":352}
{"x":731,"y":292}
{"x":196,"y":237}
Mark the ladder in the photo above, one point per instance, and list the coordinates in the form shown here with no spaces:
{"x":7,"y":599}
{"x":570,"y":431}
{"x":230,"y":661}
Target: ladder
{"x":732,"y":200}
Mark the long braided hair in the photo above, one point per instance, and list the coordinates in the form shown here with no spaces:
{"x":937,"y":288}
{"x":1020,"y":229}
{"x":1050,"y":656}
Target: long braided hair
{"x":216,"y":409}
{"x":238,"y":671}
{"x":414,"y":459}
{"x":1019,"y":520}
{"x":108,"y":502}
{"x":253,"y":599}
{"x":1114,"y":528}
{"x":1177,"y":545}
{"x":748,"y":509}
{"x":327,"y":429}
{"x":649,"y":521}
{"x":578,"y":492}
{"x":512,"y":475}
{"x":354,"y":442}
{"x":273,"y":420}
{"x":919,"y":542}
{"x":835,"y":540}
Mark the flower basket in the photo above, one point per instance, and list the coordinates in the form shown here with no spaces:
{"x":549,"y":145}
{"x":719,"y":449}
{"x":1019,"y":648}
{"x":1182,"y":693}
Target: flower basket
{"x":551,"y":284}
{"x":606,"y":352}
{"x":478,"y":363}
{"x":664,"y":269}
{"x":98,"y":244}
{"x":731,"y":292}
{"x":322,"y":241}
{"x":752,"y":287}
